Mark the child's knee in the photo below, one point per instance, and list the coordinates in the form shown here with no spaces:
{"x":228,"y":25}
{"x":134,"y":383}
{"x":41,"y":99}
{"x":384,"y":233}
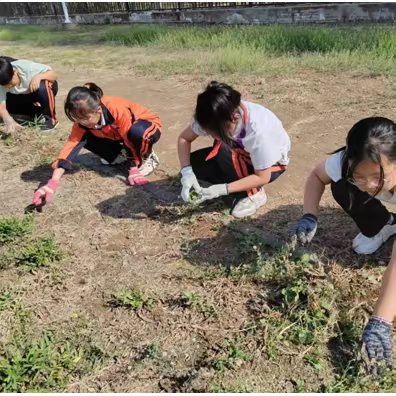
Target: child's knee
{"x":42,"y":92}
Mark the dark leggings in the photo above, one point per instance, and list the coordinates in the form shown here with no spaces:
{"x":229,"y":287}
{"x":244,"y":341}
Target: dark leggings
{"x":227,"y":166}
{"x":27,"y":104}
{"x":142,"y":136}
{"x":369,"y":214}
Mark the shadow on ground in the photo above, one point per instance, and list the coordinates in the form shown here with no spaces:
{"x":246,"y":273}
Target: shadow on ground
{"x":332,"y":242}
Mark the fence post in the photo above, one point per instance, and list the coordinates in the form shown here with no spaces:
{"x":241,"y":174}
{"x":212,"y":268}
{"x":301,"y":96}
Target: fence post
{"x":65,"y":12}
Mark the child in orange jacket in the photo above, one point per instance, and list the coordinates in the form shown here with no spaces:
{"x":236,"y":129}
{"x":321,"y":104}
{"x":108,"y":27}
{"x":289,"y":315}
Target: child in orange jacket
{"x":105,"y":125}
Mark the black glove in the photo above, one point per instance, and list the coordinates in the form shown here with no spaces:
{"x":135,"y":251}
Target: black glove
{"x":305,"y":228}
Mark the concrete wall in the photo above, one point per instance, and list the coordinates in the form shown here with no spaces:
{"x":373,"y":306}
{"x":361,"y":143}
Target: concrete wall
{"x":338,"y":12}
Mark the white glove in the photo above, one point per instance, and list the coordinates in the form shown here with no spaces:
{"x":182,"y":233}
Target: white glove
{"x":215,"y":191}
{"x":189,"y":180}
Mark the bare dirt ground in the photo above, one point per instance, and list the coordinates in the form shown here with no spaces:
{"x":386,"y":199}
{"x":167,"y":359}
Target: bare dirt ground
{"x":115,"y":236}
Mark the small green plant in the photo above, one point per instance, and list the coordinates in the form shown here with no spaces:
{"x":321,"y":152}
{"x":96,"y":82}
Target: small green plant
{"x":193,"y":300}
{"x":39,"y":253}
{"x":313,"y":361}
{"x":6,"y":299}
{"x":44,"y":364}
{"x":12,"y":228}
{"x":233,"y":357}
{"x":151,"y":351}
{"x":299,"y":384}
{"x":130,"y":298}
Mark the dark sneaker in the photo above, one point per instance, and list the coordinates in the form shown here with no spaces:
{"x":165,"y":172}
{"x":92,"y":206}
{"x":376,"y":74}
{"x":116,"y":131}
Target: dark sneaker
{"x":48,"y":126}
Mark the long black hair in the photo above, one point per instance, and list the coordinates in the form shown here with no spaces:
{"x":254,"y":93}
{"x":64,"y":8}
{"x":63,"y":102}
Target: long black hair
{"x":370,"y":138}
{"x":81,"y":102}
{"x":215,"y":109}
{"x":6,"y":70}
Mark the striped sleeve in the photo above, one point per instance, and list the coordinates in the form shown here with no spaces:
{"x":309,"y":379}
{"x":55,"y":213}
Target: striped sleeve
{"x":71,"y":149}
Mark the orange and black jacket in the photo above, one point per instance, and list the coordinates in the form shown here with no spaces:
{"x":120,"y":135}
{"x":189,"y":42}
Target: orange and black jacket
{"x":119,"y":115}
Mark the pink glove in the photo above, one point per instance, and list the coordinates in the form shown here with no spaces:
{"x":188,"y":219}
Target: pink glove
{"x":136,"y":178}
{"x":47,"y":192}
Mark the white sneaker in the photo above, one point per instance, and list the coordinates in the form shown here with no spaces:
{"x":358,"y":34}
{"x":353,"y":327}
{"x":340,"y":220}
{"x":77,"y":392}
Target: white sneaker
{"x":249,"y":205}
{"x":364,"y":245}
{"x":149,"y":164}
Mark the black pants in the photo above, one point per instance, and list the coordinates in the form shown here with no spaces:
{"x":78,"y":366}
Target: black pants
{"x":35,"y":104}
{"x":142,"y":135}
{"x":368,"y":213}
{"x":227,"y":166}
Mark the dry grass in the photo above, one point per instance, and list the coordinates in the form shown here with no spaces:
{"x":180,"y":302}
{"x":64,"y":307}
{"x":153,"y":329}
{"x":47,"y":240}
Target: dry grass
{"x":153,"y":296}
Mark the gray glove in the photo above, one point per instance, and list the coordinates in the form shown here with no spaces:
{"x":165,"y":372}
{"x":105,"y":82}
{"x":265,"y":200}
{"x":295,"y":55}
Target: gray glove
{"x":377,"y":339}
{"x":305,"y":229}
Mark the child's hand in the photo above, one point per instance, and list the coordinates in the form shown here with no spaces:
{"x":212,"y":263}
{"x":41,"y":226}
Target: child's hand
{"x":136,"y":178}
{"x":45,"y":194}
{"x":215,"y":191}
{"x":188,"y":181}
{"x":35,"y":83}
{"x":377,"y":339}
{"x":304,"y":230}
{"x":12,"y":126}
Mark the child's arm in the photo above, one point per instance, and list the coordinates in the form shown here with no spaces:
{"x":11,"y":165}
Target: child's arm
{"x":69,"y":152}
{"x":45,"y":194}
{"x":377,"y":335}
{"x":304,"y":230}
{"x":314,"y":188}
{"x":184,"y":146}
{"x":188,"y":179}
{"x":49,"y":75}
{"x":386,"y":304}
{"x":260,"y":178}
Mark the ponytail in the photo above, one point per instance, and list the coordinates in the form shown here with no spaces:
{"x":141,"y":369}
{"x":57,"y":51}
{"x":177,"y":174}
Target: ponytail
{"x":81,"y":102}
{"x":94,"y":88}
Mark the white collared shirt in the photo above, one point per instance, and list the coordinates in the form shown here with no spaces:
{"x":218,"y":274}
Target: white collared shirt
{"x":265,"y":139}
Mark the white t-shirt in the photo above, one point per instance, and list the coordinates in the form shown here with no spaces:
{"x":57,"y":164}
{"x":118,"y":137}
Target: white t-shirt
{"x":27,"y":70}
{"x":333,"y":167}
{"x":263,"y":136}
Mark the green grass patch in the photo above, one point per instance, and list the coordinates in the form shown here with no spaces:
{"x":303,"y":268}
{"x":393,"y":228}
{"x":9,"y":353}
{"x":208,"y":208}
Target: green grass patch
{"x":193,"y":300}
{"x":232,"y":357}
{"x":46,"y":363}
{"x":235,"y":49}
{"x":12,"y":228}
{"x":38,"y":253}
{"x":6,"y":299}
{"x":277,"y":40}
{"x":20,"y":248}
{"x":129,"y":298}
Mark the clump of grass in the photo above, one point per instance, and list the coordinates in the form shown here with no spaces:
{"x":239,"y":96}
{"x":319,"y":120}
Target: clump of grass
{"x":20,"y":248}
{"x":39,"y":253}
{"x":130,"y":298}
{"x":45,"y":364}
{"x":151,"y":351}
{"x":232,"y":357}
{"x":193,"y":300}
{"x":6,"y":298}
{"x":12,"y":228}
